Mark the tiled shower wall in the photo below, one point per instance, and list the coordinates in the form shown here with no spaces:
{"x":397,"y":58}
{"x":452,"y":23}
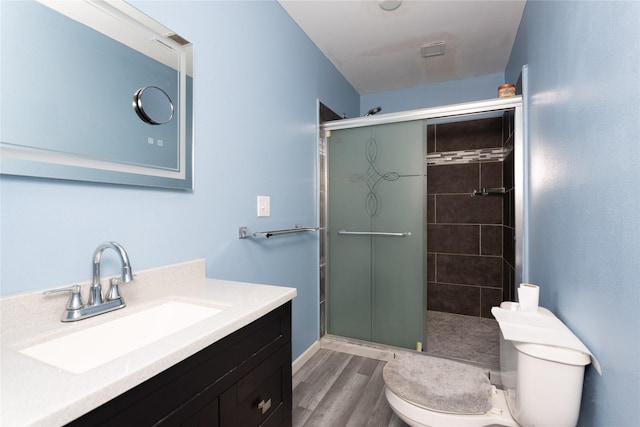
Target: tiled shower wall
{"x":470,"y":248}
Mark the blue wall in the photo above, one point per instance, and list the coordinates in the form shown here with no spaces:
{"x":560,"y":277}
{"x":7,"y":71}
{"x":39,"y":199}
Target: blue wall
{"x":434,"y":95}
{"x":584,"y":136}
{"x":257,"y":79}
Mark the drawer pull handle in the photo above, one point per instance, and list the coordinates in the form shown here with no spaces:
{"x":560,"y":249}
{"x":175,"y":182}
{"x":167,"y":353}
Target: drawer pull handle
{"x":264,"y":406}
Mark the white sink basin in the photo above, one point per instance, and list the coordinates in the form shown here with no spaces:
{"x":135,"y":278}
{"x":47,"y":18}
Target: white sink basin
{"x":89,"y":348}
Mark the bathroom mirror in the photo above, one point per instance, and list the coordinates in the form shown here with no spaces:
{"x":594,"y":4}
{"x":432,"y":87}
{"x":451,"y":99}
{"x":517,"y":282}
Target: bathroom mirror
{"x":94,"y":91}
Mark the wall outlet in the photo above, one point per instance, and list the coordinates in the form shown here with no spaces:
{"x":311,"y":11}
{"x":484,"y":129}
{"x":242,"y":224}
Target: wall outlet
{"x":264,"y":206}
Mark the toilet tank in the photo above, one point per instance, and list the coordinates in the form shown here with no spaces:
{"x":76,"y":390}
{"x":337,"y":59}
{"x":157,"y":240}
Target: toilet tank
{"x":543,"y":383}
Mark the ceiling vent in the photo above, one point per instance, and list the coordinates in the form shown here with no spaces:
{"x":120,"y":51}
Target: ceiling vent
{"x":433,"y":49}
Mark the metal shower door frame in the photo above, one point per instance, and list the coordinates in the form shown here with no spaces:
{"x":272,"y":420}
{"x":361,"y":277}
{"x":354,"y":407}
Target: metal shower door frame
{"x":514,"y":103}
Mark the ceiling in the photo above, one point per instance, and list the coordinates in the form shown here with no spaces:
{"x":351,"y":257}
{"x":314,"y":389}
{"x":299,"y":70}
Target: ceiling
{"x":377,"y":50}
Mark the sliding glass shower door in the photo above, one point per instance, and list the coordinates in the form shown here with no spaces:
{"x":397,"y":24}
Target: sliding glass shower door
{"x":375,"y":227}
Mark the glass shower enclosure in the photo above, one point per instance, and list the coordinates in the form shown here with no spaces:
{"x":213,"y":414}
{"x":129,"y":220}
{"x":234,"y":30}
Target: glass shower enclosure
{"x":373,"y":217}
{"x":376,"y":233}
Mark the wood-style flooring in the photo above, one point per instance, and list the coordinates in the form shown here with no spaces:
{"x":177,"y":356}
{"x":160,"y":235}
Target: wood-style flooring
{"x":335,"y":389}
{"x":341,"y":385}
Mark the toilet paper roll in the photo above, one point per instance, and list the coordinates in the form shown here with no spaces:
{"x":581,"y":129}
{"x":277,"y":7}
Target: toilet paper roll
{"x":528,"y":296}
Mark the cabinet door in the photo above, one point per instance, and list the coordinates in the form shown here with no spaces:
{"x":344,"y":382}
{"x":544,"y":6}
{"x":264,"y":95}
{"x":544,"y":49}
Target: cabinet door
{"x":262,"y":397}
{"x":207,"y":416}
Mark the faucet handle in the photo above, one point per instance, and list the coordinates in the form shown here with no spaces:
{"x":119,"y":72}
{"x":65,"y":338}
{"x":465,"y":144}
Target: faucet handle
{"x":114,"y":291}
{"x":75,"y":300}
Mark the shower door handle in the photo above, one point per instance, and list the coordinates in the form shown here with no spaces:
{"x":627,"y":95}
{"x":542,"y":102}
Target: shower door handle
{"x":374,"y":233}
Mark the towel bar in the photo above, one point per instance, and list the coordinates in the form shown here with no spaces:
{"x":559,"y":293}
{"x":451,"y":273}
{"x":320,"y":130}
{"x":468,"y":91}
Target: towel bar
{"x":244,"y":232}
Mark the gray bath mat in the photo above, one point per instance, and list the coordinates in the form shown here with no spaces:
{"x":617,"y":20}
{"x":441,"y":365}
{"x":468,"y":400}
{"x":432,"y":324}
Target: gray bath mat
{"x":439,"y":384}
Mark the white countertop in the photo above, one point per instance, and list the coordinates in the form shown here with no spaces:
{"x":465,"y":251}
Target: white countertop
{"x":38,"y":394}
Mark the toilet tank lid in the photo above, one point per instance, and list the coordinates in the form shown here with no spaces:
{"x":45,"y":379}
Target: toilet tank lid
{"x":554,"y":354}
{"x":543,"y":329}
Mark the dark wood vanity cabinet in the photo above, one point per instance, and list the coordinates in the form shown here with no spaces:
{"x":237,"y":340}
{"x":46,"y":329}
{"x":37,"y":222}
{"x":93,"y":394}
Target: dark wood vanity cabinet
{"x":241,"y":380}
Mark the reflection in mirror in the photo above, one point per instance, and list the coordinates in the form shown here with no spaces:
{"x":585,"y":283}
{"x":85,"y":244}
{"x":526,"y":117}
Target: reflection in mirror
{"x":107,"y":51}
{"x":153,"y":105}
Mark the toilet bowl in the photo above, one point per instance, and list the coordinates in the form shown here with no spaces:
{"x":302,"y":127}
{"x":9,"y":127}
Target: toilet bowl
{"x":541,"y":366}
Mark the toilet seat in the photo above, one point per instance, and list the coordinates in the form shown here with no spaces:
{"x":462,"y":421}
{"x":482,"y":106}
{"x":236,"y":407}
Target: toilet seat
{"x":431,"y":391}
{"x":439,"y":384}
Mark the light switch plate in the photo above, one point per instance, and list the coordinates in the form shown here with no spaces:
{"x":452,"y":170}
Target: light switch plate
{"x":264,"y":206}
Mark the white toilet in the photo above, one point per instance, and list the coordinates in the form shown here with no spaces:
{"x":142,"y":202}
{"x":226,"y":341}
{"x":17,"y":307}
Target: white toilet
{"x":541,"y":367}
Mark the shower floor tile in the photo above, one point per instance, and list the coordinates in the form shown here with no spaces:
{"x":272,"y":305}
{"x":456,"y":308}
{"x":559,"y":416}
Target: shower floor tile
{"x":466,"y":338}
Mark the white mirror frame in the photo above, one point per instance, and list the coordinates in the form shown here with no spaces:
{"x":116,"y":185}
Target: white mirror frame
{"x":113,"y":18}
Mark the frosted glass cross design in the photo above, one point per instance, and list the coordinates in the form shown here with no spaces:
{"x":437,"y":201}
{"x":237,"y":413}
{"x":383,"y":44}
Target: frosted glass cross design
{"x":372,"y":177}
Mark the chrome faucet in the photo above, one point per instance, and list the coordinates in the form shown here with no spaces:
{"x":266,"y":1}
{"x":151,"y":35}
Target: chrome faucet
{"x":76,"y":309}
{"x":95,"y":293}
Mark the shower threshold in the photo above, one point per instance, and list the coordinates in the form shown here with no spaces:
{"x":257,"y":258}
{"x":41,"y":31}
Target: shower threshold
{"x":386,"y":352}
